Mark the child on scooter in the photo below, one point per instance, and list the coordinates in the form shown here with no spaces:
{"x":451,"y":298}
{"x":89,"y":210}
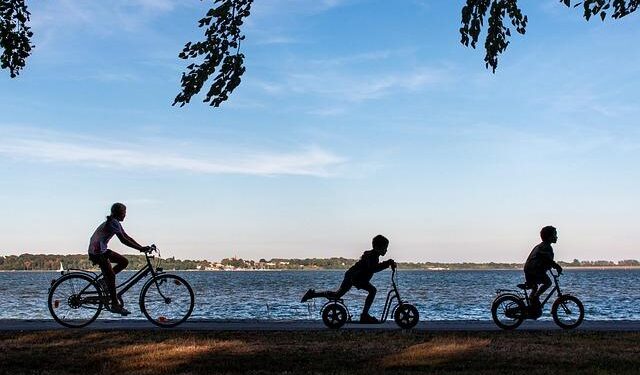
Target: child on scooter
{"x":359,"y":275}
{"x":538,"y":263}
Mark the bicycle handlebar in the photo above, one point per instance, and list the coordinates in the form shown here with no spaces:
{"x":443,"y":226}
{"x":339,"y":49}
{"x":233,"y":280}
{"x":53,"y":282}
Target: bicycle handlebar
{"x":152,"y":248}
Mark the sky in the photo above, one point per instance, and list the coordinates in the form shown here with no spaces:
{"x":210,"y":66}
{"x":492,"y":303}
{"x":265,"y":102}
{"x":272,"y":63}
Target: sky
{"x":354,"y":118}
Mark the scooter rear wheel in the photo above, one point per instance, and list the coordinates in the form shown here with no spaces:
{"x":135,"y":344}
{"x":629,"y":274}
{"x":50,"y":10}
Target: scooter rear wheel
{"x":334,"y":315}
{"x":406,"y":316}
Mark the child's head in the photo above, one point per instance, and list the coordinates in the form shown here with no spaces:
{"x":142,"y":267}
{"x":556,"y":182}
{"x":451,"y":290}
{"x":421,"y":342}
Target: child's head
{"x":118,"y":211}
{"x":549,"y":234}
{"x":380,"y":244}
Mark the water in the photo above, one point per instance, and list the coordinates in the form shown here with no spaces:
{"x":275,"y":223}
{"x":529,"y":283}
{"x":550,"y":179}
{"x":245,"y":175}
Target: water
{"x":438,"y":295}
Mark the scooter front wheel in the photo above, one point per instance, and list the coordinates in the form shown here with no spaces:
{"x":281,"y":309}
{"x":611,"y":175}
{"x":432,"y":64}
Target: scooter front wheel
{"x":406,"y":316}
{"x":334,"y":315}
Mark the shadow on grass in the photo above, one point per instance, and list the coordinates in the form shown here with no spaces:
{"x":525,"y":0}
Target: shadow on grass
{"x":155,"y":352}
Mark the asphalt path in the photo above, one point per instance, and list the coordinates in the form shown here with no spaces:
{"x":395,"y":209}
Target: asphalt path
{"x":315,"y":325}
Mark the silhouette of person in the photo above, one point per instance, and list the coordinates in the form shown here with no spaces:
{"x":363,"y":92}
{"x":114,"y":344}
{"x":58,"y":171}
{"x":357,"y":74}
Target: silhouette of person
{"x":100,"y":255}
{"x":359,"y":275}
{"x":540,"y":261}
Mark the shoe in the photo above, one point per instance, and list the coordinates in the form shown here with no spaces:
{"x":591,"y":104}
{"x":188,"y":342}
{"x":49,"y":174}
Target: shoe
{"x":308,"y":295}
{"x":366,"y":318}
{"x":118,"y":309}
{"x":535,"y":311}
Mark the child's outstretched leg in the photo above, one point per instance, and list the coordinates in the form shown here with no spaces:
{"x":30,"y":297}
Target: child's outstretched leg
{"x":344,"y":288}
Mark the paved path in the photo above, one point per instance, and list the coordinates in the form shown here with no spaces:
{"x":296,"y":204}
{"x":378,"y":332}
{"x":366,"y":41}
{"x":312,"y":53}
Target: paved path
{"x":311,"y":325}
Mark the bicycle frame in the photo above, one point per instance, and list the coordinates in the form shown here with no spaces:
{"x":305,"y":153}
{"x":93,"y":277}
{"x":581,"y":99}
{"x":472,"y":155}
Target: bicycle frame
{"x":525,"y":295}
{"x":122,"y":288}
{"x":556,"y":288}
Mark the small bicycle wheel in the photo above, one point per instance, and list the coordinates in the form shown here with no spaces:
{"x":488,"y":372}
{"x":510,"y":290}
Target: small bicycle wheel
{"x":567,"y":312}
{"x":167,"y":300}
{"x":75,"y":300}
{"x":334,"y":315}
{"x":406,"y":316}
{"x":508,"y":312}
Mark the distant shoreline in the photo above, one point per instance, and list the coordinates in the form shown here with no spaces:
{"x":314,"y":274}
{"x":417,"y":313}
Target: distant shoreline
{"x":585,"y":268}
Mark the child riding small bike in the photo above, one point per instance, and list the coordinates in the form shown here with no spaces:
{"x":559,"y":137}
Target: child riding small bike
{"x":540,"y":261}
{"x":359,"y":275}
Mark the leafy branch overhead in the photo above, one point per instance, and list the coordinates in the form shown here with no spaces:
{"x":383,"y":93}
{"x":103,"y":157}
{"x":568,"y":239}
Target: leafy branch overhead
{"x":15,"y":36}
{"x":474,"y":13}
{"x":218,"y":52}
{"x":217,"y":57}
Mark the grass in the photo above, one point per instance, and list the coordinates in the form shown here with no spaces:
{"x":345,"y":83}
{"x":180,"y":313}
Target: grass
{"x":159,"y":352}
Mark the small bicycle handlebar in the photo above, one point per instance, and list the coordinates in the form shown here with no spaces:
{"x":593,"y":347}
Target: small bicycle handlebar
{"x":152,"y":249}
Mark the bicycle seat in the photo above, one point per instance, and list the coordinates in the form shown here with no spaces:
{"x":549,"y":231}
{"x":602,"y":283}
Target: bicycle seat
{"x":524,"y":286}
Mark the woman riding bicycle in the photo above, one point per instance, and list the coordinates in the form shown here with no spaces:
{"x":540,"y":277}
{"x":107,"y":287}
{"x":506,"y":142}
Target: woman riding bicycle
{"x":100,"y":255}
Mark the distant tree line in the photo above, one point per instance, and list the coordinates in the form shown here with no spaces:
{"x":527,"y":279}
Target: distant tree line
{"x":46,"y":262}
{"x":49,"y":262}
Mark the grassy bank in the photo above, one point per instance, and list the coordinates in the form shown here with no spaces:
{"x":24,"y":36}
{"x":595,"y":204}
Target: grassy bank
{"x":152,"y":352}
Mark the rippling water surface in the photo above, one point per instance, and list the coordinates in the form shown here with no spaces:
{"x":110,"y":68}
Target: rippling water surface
{"x":439,"y":295}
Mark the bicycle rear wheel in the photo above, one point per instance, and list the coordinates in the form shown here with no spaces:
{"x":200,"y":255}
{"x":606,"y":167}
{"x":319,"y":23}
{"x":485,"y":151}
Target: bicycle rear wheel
{"x":508,"y":312}
{"x":75,"y":300}
{"x":166,"y":300}
{"x":567,"y":312}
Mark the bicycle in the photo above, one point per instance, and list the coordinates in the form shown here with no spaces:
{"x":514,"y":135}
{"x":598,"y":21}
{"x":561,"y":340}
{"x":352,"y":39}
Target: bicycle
{"x":335,"y":313}
{"x":76,"y":298}
{"x":511,"y":307}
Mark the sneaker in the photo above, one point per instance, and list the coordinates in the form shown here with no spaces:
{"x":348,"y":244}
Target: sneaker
{"x":366,"y":318}
{"x":308,"y":295}
{"x":535,"y":311}
{"x":118,"y":309}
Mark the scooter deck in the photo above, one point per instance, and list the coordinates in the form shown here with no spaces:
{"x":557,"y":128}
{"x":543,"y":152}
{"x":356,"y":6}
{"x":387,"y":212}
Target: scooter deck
{"x":359,"y":322}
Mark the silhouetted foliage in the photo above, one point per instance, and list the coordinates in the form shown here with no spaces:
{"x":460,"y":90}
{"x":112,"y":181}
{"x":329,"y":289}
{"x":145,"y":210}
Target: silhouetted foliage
{"x":15,"y":35}
{"x":49,"y":262}
{"x":474,"y":13}
{"x":219,"y":52}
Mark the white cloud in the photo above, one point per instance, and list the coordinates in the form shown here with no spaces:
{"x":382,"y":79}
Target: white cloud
{"x":356,"y":87}
{"x":67,"y":149}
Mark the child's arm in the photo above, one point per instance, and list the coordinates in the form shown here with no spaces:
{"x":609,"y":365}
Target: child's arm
{"x":384,"y":265}
{"x":548,"y":258}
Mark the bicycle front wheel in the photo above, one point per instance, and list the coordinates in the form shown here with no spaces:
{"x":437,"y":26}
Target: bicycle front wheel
{"x":567,"y":312}
{"x":167,"y":300}
{"x":75,"y":300}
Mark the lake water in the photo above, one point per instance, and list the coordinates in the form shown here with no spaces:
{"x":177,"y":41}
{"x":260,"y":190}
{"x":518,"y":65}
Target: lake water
{"x":438,"y":295}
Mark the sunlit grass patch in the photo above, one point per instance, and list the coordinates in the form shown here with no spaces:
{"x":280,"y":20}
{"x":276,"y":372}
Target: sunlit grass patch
{"x":436,"y":351}
{"x":170,"y":355}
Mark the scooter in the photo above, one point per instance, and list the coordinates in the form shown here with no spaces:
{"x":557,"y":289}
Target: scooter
{"x":335,"y":313}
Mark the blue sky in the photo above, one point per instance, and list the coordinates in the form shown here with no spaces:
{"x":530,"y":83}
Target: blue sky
{"x":354,"y":118}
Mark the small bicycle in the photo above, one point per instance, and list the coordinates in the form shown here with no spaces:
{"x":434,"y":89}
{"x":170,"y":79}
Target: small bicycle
{"x":511,"y":307}
{"x":335,"y":313}
{"x":77,"y":298}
